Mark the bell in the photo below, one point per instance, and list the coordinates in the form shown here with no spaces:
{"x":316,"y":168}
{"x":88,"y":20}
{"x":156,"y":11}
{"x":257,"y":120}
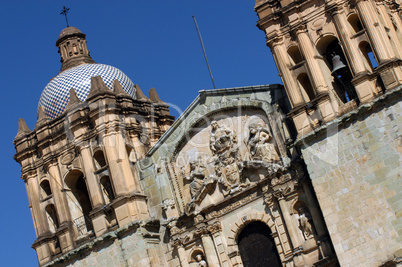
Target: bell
{"x":337,"y":63}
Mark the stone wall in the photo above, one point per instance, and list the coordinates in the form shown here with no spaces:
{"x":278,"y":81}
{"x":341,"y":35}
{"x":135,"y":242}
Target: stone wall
{"x":355,"y":167}
{"x":132,"y":245}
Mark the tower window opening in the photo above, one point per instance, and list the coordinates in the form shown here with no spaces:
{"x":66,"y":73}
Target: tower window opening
{"x":368,"y":55}
{"x":295,"y":55}
{"x":99,"y":158}
{"x":51,"y":216}
{"x":45,"y":189}
{"x":340,"y":71}
{"x":132,"y":157}
{"x":306,"y":87}
{"x":79,"y":202}
{"x":107,"y":189}
{"x":373,"y":61}
{"x":355,"y":23}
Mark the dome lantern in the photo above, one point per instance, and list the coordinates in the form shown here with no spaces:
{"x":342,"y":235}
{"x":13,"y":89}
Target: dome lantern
{"x":73,"y":48}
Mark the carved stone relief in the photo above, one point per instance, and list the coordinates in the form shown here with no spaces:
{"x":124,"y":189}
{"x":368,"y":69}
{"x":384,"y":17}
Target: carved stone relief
{"x":224,"y":158}
{"x":261,"y":145}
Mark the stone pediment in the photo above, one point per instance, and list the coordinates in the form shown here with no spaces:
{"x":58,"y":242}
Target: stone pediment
{"x":224,"y":143}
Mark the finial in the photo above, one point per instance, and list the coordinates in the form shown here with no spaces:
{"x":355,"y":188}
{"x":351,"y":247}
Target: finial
{"x":154,"y":96}
{"x":41,"y":117}
{"x":22,"y":128}
{"x":118,"y":89}
{"x":98,"y":86}
{"x":73,"y":99}
{"x":64,"y":12}
{"x":139,"y":94}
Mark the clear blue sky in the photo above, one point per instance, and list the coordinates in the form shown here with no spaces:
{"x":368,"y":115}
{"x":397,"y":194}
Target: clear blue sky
{"x":154,"y":42}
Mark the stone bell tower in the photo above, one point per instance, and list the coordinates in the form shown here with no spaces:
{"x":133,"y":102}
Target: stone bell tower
{"x":332,"y":56}
{"x":340,"y":63}
{"x":78,"y":162}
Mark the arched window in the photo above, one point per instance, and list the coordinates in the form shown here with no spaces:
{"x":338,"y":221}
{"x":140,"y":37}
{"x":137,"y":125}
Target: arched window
{"x":45,"y":189}
{"x":131,"y":154}
{"x":341,"y":72}
{"x":368,"y":54}
{"x":107,"y":189}
{"x":51,"y":216}
{"x":257,"y":247}
{"x":355,"y":23}
{"x":99,"y":158}
{"x":337,"y":67}
{"x":79,"y":201}
{"x":295,"y":55}
{"x":306,"y":87}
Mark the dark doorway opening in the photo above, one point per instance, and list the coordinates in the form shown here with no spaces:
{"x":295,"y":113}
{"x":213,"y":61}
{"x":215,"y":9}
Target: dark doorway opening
{"x":257,"y":247}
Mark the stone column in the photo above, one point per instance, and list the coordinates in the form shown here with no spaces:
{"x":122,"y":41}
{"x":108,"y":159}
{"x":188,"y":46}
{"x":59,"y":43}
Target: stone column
{"x":93,"y":184}
{"x":139,"y":148}
{"x":290,"y":223}
{"x":351,"y":50}
{"x":396,"y":18}
{"x":209,"y":249}
{"x":283,"y":63}
{"x":60,"y":200}
{"x":181,"y":252}
{"x":39,"y":218}
{"x":376,"y":32}
{"x":215,"y":229}
{"x":120,"y":171}
{"x":309,"y":52}
{"x":387,"y":19}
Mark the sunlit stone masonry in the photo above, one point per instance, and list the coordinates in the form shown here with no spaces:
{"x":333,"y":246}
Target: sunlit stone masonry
{"x":304,"y":174}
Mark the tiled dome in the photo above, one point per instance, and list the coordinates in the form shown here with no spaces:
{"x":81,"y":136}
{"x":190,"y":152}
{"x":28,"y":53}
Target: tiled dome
{"x":56,"y":95}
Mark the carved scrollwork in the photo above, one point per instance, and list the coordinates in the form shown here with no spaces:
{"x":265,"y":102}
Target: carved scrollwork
{"x":269,"y":200}
{"x":201,"y":231}
{"x":168,"y":204}
{"x":67,"y":158}
{"x":177,"y":242}
{"x":215,"y":227}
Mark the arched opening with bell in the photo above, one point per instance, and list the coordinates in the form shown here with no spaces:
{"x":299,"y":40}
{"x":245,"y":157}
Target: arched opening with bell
{"x":340,"y":71}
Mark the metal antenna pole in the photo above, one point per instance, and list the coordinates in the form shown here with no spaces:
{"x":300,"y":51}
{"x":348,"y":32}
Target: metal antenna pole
{"x":203,"y":49}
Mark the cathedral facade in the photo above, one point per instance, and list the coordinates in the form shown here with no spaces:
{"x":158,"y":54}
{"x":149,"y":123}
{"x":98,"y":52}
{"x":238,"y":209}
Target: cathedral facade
{"x":305,"y":174}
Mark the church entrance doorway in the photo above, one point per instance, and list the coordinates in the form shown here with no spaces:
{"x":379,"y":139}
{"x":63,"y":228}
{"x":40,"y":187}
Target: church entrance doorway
{"x":257,"y":247}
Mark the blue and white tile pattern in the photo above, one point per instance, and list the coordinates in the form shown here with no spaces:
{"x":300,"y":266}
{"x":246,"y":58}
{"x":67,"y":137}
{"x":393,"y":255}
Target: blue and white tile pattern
{"x":56,"y":94}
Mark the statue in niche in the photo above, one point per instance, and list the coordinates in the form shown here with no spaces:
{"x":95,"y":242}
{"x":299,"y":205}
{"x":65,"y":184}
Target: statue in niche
{"x":306,"y":223}
{"x":200,"y":260}
{"x":261,"y":145}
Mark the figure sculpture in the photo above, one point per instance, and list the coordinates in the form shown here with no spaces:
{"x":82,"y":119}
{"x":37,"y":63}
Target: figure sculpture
{"x":201,"y":262}
{"x":197,"y":176}
{"x":261,"y":145}
{"x":221,"y":139}
{"x":305,"y":221}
